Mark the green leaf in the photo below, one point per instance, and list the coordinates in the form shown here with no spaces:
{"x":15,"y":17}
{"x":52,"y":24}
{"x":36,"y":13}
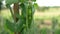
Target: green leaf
{"x":1,"y":0}
{"x":33,"y":10}
{"x":23,"y":8}
{"x":4,"y":32}
{"x":11,"y":1}
{"x":18,"y":16}
{"x":35,"y":5}
{"x":10,"y":25}
{"x":22,"y":0}
{"x":0,"y":5}
{"x":34,"y":0}
{"x":57,"y":31}
{"x":20,"y":25}
{"x":44,"y":31}
{"x":7,"y":5}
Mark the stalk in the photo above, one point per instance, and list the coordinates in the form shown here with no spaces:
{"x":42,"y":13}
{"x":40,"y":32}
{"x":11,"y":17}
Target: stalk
{"x":16,"y":11}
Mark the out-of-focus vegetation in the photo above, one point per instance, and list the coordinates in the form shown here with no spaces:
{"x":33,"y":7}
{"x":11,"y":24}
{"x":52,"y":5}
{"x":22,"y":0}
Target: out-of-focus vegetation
{"x":43,"y":9}
{"x":47,"y":22}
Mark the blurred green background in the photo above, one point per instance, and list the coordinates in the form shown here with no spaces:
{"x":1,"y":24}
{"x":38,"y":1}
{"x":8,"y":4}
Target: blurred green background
{"x":46,"y":20}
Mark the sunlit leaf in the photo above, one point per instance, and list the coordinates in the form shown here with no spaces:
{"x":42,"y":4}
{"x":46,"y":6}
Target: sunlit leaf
{"x":35,"y":5}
